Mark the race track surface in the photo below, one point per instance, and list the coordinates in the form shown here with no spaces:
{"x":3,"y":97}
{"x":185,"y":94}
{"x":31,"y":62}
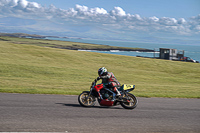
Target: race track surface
{"x":60,"y":113}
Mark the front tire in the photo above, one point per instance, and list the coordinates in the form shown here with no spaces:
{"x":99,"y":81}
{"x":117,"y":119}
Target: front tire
{"x":129,"y":101}
{"x":85,"y":100}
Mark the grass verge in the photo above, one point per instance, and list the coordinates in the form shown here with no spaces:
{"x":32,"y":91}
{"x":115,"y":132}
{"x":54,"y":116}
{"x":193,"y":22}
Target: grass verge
{"x":26,"y":67}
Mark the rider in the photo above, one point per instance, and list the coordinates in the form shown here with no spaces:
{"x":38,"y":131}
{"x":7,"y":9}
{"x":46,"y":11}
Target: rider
{"x":109,"y":78}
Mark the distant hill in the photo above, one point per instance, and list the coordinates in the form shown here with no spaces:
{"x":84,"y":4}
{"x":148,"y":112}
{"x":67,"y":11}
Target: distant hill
{"x":22,"y":35}
{"x":69,"y":45}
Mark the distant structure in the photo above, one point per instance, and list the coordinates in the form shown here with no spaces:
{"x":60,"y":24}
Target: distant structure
{"x":171,"y":54}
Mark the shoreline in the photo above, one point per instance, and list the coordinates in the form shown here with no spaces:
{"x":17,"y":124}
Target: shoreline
{"x":77,"y":46}
{"x":106,"y":49}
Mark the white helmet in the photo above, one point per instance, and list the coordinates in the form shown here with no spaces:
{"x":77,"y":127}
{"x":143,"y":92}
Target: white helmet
{"x":102,"y":71}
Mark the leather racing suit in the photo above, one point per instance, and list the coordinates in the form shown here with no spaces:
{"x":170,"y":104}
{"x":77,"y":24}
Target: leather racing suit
{"x":109,"y":79}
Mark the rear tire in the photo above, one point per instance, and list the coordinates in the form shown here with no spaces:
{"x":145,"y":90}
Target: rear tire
{"x":85,"y":100}
{"x":130,"y":103}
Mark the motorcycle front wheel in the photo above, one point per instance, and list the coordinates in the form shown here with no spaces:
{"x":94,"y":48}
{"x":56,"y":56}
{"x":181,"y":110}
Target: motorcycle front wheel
{"x":129,"y":101}
{"x":85,"y":100}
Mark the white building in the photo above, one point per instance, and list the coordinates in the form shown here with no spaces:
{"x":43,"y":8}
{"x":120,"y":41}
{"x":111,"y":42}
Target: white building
{"x":171,"y":54}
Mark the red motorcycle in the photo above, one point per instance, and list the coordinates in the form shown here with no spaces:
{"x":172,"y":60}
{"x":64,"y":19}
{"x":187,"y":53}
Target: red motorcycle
{"x":106,"y":97}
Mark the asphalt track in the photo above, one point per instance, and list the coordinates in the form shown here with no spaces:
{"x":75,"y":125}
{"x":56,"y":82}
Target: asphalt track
{"x":60,"y":113}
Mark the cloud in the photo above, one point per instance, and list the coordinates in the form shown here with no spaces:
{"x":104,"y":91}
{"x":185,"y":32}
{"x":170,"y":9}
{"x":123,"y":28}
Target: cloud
{"x":13,"y":5}
{"x":115,"y":20}
{"x":118,"y":11}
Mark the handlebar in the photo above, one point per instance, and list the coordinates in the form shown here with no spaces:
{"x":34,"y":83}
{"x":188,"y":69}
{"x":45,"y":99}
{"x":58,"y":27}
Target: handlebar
{"x":95,"y":81}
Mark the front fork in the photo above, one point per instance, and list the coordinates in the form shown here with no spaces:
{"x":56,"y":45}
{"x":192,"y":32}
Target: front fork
{"x":126,"y":98}
{"x":90,"y":94}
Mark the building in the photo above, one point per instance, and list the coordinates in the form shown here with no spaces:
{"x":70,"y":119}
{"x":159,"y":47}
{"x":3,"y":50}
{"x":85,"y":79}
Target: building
{"x":171,"y":54}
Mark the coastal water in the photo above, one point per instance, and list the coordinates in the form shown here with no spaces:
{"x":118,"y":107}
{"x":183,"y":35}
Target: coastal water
{"x":192,"y":51}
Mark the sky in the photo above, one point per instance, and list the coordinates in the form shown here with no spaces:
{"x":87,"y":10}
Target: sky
{"x":161,"y":21}
{"x":145,"y":8}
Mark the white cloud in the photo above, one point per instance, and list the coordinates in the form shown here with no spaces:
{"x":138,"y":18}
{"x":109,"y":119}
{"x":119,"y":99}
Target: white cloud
{"x":154,"y":19}
{"x":83,"y":10}
{"x":168,"y":21}
{"x":116,"y":19}
{"x":118,"y":11}
{"x":22,"y":3}
{"x":181,"y":21}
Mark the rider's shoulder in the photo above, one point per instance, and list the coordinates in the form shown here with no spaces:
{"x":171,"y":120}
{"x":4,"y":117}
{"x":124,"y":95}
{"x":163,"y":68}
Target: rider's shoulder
{"x":109,"y":73}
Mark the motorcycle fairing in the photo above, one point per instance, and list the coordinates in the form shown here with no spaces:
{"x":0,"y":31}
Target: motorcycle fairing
{"x":126,"y":87}
{"x":98,"y":87}
{"x":106,"y":102}
{"x":130,"y":89}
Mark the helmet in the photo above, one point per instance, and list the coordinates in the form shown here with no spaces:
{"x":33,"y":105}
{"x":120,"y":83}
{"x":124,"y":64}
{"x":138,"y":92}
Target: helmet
{"x":102,"y":71}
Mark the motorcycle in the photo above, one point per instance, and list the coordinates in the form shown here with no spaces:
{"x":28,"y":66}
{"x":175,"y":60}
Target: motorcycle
{"x":106,"y":97}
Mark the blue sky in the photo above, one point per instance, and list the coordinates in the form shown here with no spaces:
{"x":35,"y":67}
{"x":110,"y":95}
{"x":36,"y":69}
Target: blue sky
{"x":145,"y":8}
{"x":161,"y":21}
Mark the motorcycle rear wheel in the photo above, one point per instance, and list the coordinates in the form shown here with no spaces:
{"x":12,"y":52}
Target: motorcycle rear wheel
{"x":85,"y":100}
{"x":130,"y":102}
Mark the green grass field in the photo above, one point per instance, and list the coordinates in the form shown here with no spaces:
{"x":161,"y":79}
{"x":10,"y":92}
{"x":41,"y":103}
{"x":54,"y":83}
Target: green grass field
{"x":28,"y":66}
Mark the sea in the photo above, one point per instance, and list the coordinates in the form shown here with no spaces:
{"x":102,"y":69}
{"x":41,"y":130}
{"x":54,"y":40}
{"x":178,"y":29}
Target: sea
{"x":192,"y":51}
